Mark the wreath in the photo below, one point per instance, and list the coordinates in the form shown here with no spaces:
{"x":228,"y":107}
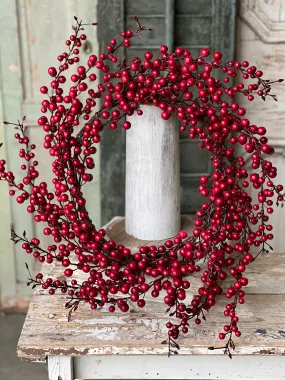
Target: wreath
{"x":228,"y":224}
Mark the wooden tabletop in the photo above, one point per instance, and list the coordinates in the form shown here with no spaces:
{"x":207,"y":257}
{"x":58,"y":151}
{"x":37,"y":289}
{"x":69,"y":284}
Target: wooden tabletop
{"x":140,"y":331}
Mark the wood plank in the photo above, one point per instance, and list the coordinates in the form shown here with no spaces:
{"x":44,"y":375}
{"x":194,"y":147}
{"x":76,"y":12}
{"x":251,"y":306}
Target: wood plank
{"x":223,"y":28}
{"x":140,"y":332}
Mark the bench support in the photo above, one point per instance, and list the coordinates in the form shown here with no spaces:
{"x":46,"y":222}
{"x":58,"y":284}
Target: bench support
{"x":60,"y":368}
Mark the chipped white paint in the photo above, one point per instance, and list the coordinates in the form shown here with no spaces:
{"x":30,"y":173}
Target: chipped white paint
{"x":14,"y":68}
{"x":108,"y":320}
{"x":152,"y":176}
{"x":104,"y":333}
{"x":154,"y":323}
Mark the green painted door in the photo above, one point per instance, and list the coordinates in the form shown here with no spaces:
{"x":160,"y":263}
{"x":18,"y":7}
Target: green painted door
{"x":33,"y":34}
{"x":192,"y":24}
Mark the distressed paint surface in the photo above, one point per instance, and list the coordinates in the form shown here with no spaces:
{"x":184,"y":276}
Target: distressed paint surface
{"x":140,"y":332}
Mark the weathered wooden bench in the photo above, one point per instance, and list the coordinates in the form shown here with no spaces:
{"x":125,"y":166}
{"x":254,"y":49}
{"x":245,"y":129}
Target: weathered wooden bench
{"x":100,"y":345}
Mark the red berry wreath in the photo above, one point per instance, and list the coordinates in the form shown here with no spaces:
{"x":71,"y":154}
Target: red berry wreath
{"x":227,"y":225}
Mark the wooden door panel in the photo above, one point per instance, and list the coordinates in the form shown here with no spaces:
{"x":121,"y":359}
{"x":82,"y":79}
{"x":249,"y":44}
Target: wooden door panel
{"x":144,"y":8}
{"x":195,"y":24}
{"x":198,"y":28}
{"x":151,"y":38}
{"x":195,"y":8}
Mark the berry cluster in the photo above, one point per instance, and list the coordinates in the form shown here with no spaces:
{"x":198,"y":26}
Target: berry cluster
{"x":228,"y":224}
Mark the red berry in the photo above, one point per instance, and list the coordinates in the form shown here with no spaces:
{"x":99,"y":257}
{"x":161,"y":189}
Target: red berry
{"x":205,"y":52}
{"x":217,"y":55}
{"x":52,"y":71}
{"x":163,"y":49}
{"x":68,"y":272}
{"x":44,"y":89}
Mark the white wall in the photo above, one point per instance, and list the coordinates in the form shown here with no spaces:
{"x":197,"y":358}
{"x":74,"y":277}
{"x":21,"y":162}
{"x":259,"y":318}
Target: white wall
{"x":261,"y":41}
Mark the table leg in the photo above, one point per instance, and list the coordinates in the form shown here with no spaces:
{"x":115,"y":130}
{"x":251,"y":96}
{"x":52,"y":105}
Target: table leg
{"x":60,"y":368}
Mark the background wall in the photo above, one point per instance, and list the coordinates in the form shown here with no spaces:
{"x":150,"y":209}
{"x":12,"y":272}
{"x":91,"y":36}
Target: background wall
{"x":261,"y":41}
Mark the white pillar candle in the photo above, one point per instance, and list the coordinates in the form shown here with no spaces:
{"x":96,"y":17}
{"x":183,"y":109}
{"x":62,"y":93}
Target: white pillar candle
{"x":152,"y":176}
